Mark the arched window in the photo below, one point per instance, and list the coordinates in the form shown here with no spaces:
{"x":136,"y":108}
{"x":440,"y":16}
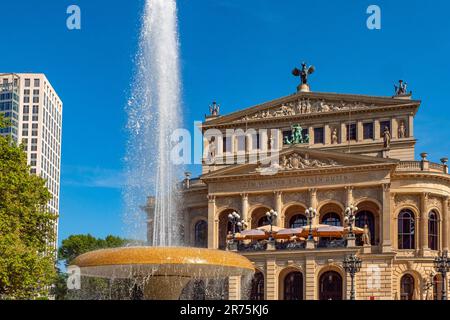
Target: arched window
{"x":293,"y":286}
{"x":332,"y":219}
{"x":407,"y":287}
{"x":297,"y":221}
{"x":364,"y":218}
{"x":263,"y":222}
{"x":201,"y":234}
{"x":406,"y":230}
{"x":257,"y":292}
{"x":433,"y":231}
{"x":330,"y":286}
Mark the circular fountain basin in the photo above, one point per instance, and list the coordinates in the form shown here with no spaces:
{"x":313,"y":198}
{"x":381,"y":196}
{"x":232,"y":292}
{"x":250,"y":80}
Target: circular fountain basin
{"x":162,"y":261}
{"x":166,"y":269}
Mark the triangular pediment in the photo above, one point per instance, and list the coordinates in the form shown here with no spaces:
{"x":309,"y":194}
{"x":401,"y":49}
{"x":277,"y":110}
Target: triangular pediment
{"x":309,"y":103}
{"x":300,"y":160}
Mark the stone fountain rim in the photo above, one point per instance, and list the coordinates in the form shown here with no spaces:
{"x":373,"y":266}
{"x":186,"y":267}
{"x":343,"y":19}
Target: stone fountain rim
{"x":141,"y":255}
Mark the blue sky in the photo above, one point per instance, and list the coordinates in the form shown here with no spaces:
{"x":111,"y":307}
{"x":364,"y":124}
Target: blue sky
{"x":238,"y":52}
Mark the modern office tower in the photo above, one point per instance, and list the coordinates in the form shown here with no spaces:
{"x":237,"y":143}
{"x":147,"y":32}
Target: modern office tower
{"x":34,"y":112}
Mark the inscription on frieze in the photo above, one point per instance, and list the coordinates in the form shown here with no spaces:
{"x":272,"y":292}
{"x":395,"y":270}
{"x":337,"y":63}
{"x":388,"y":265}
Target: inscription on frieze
{"x":273,"y":184}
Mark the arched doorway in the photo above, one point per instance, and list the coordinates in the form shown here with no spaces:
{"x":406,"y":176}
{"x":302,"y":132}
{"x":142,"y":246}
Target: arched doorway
{"x":224,"y":228}
{"x":201,"y":234}
{"x":293,"y":286}
{"x":407,"y":287}
{"x":257,"y":289}
{"x":330,"y":286}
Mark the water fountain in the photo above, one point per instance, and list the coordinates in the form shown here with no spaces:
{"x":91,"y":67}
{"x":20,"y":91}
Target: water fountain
{"x":154,"y":113}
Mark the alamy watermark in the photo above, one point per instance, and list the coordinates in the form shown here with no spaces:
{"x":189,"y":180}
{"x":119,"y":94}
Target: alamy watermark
{"x":73,"y":21}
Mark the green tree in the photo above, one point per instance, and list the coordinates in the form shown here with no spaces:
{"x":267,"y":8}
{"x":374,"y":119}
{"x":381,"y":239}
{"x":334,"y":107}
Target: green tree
{"x":71,"y":248}
{"x":76,"y":245}
{"x":27,"y":232}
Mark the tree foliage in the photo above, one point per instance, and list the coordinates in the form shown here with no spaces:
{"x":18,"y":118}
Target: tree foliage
{"x":27,"y":229}
{"x":78,"y":244}
{"x":72,"y":247}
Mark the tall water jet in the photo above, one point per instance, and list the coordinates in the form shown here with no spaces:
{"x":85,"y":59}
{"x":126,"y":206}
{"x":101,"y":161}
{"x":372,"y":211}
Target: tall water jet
{"x":154,"y":112}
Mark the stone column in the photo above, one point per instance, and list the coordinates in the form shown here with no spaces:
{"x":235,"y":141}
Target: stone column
{"x":343,"y":133}
{"x":349,"y":198}
{"x":327,"y":133}
{"x":311,"y":135}
{"x":423,"y":223}
{"x":387,"y":212}
{"x":394,"y":125}
{"x":278,"y":201}
{"x":360,"y":131}
{"x":376,"y":130}
{"x":213,"y":236}
{"x":244,"y":209}
{"x":271,"y":285}
{"x":234,"y":288}
{"x":445,"y":225}
{"x":410,"y":132}
{"x":310,"y":278}
{"x":313,"y":203}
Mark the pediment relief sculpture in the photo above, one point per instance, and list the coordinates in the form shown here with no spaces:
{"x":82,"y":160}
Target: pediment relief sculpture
{"x":305,"y":106}
{"x":297,"y":161}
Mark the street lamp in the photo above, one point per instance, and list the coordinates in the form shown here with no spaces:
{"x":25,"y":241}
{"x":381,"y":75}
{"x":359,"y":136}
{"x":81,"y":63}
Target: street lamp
{"x":235,"y":220}
{"x":442,"y":266}
{"x":310,"y":214}
{"x":352,"y":265}
{"x":350,"y":213}
{"x":271,"y":217}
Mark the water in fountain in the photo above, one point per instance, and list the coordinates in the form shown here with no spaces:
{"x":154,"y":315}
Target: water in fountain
{"x":154,"y":112}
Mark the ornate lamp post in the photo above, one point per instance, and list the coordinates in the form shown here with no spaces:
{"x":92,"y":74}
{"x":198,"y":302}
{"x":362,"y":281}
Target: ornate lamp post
{"x":271,"y":217}
{"x":310,"y":214}
{"x":352,"y":265}
{"x":350,"y":213}
{"x":442,"y":266}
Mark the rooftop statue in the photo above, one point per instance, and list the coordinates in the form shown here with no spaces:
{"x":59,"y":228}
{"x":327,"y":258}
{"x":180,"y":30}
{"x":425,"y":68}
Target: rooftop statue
{"x":214,"y":109}
{"x":401,"y":89}
{"x":303,"y":73}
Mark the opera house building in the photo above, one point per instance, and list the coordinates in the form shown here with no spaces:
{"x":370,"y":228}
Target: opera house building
{"x":303,"y":184}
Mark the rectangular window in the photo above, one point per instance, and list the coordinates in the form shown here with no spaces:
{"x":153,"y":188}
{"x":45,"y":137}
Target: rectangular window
{"x":36,"y":92}
{"x":383,"y":125}
{"x":256,"y":141}
{"x":27,"y":83}
{"x":35,"y":99}
{"x":286,"y":136}
{"x":26,"y":99}
{"x":26,"y":109}
{"x":37,"y":82}
{"x":319,"y":135}
{"x":351,"y":131}
{"x":35,"y":109}
{"x":226,"y":144}
{"x":368,"y":130}
{"x":26,"y":92}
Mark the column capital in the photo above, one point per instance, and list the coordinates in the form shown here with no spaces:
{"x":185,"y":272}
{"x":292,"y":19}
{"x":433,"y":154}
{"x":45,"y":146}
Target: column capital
{"x":244,"y":196}
{"x":312,"y":190}
{"x":386,"y":187}
{"x":446,"y":200}
{"x":211,"y":198}
{"x":278,"y":193}
{"x":349,"y":188}
{"x":425,"y":195}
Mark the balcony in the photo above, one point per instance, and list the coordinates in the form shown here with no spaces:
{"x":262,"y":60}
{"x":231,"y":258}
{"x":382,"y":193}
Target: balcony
{"x":423,"y":166}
